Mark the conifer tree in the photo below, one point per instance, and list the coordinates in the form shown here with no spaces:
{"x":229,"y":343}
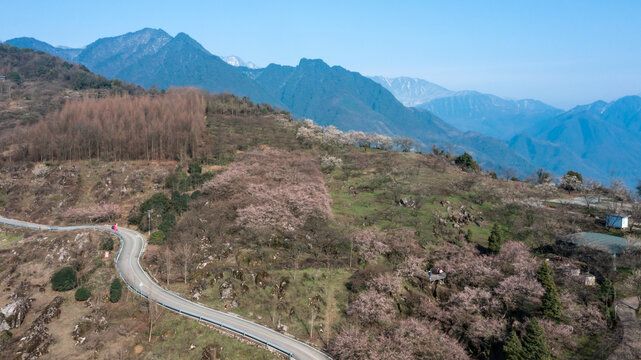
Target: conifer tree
{"x":534,"y":345}
{"x":512,"y":348}
{"x":551,"y":304}
{"x":495,"y":241}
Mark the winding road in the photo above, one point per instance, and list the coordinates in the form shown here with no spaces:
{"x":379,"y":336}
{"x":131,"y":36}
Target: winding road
{"x":132,"y":245}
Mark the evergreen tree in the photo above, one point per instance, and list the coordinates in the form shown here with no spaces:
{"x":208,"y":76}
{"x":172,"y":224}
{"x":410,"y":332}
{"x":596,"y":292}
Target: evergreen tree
{"x":534,"y":345}
{"x":82,"y":294}
{"x":551,"y":304}
{"x":115,"y":290}
{"x":64,"y":279}
{"x":544,"y":275}
{"x":512,"y":348}
{"x":495,"y":241}
{"x":467,"y":163}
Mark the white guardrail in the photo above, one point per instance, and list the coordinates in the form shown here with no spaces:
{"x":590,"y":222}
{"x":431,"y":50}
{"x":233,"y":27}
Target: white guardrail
{"x":186,"y":313}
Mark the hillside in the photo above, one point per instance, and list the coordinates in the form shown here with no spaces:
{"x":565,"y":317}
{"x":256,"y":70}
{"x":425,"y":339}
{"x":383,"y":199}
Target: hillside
{"x":324,"y":235}
{"x":38,"y":83}
{"x":281,"y":222}
{"x":68,"y":54}
{"x":350,"y":101}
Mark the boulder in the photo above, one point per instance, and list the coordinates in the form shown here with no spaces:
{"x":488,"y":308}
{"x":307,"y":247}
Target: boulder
{"x":226,"y":290}
{"x":409,"y":202}
{"x":12,"y":315}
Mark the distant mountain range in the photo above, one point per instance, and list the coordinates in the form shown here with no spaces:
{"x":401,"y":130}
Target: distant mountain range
{"x":470,"y":110}
{"x":539,"y":135}
{"x":412,"y":91}
{"x":600,"y":140}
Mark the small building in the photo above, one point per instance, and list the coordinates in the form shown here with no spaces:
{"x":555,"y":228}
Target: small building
{"x":2,"y":77}
{"x":619,"y":221}
{"x":590,"y":280}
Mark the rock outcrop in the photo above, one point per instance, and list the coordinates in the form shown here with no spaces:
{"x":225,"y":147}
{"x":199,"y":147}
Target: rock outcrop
{"x":37,"y":338}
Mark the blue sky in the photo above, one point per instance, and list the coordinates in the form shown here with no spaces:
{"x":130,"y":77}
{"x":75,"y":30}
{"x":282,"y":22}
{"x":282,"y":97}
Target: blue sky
{"x":562,"y":52}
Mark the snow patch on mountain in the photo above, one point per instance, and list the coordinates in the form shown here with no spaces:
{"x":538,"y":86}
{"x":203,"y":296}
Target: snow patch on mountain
{"x":236,"y":61}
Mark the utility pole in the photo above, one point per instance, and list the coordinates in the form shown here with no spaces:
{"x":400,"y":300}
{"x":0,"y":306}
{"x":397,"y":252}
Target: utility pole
{"x":149,"y":220}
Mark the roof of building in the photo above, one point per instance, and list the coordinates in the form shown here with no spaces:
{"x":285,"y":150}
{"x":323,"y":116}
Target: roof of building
{"x":603,"y":242}
{"x":619,"y":215}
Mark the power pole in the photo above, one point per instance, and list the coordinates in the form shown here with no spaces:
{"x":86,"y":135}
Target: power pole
{"x":149,"y":220}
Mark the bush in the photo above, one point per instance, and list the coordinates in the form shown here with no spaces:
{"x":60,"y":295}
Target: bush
{"x":195,"y":168}
{"x":64,"y":279}
{"x":107,"y":244}
{"x":167,"y":223}
{"x":15,"y":77}
{"x":157,"y":237}
{"x":82,"y":294}
{"x":115,"y":290}
{"x":467,"y":163}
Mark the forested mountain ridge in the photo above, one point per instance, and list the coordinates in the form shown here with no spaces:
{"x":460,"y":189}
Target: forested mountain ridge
{"x":328,"y":95}
{"x":602,"y":138}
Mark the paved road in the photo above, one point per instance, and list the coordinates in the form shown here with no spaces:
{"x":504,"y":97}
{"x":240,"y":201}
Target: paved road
{"x":132,"y":245}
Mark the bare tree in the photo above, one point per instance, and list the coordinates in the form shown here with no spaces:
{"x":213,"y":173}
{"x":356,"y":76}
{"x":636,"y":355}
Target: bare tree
{"x":167,"y":257}
{"x":186,"y":253}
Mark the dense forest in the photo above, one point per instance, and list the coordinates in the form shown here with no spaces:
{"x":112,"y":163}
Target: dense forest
{"x":123,"y":127}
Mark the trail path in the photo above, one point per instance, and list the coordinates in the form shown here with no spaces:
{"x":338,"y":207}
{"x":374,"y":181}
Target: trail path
{"x":630,"y":347}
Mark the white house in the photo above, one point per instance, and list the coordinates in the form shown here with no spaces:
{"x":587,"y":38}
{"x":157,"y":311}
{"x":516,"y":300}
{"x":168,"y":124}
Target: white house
{"x":618,"y":221}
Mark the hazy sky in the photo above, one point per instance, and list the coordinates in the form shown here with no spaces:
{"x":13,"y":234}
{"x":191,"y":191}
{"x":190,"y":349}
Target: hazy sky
{"x":562,"y":52}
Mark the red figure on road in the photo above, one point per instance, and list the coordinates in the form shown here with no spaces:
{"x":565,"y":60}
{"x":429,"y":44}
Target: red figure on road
{"x":115,"y":227}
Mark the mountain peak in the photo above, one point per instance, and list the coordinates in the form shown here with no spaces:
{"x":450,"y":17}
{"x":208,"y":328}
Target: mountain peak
{"x":313,"y":63}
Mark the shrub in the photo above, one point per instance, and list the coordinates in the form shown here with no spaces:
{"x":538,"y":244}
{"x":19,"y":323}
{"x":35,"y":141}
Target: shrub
{"x":157,"y":237}
{"x":115,"y":290}
{"x":82,"y":294}
{"x":64,"y":279}
{"x":467,"y":163}
{"x":15,"y":77}
{"x":168,"y":222}
{"x":107,"y":244}
{"x":195,"y":168}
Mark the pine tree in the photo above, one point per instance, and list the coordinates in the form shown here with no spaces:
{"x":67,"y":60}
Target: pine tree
{"x":544,"y":275}
{"x":551,"y":304}
{"x":115,"y":290}
{"x":534,"y":345}
{"x":512,"y":348}
{"x":495,"y":241}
